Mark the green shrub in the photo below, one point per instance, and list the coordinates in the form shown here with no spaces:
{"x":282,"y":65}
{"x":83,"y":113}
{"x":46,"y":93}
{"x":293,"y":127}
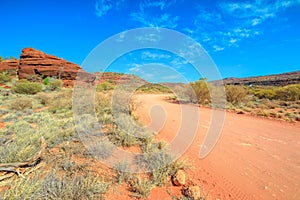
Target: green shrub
{"x":235,"y":94}
{"x":27,"y":87}
{"x":104,"y":86}
{"x":46,"y":80}
{"x":4,"y":77}
{"x":54,"y":84}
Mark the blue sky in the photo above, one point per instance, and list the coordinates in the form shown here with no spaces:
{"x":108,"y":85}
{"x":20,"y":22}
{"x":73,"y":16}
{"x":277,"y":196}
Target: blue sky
{"x":244,"y":38}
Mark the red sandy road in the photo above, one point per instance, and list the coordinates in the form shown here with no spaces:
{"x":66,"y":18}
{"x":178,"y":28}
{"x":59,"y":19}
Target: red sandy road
{"x":255,"y":158}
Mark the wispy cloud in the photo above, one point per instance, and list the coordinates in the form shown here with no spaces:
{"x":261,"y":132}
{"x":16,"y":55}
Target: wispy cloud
{"x":217,"y":27}
{"x":149,"y":37}
{"x":154,"y":19}
{"x":232,"y":22}
{"x":147,"y":14}
{"x":162,"y":21}
{"x":257,"y":12}
{"x":102,"y":7}
{"x":162,"y":4}
{"x":147,"y":55}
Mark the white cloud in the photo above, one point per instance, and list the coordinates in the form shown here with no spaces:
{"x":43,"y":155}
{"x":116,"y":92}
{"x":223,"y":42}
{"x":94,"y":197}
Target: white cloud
{"x":149,"y":37}
{"x":162,"y":4}
{"x":102,"y":7}
{"x":235,"y":21}
{"x":218,"y":48}
{"x":154,"y":14}
{"x":147,"y":55}
{"x":258,"y":11}
{"x":163,"y":20}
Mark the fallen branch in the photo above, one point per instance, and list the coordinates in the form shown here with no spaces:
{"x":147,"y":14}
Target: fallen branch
{"x":20,"y":168}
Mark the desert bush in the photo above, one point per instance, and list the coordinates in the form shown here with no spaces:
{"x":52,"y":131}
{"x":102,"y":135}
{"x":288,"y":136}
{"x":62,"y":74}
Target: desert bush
{"x":159,"y":175}
{"x":11,"y":117}
{"x":264,"y":92}
{"x":202,"y":92}
{"x":24,"y":145}
{"x":184,"y":93}
{"x":286,"y":93}
{"x":122,"y":170}
{"x":27,"y":87}
{"x":54,"y":84}
{"x":141,"y":188}
{"x":21,"y":103}
{"x":122,"y":138}
{"x":43,"y":98}
{"x":4,"y":77}
{"x":61,"y":101}
{"x":3,"y":111}
{"x":153,"y":88}
{"x":263,"y":113}
{"x":104,"y":86}
{"x":106,"y":118}
{"x":122,"y":102}
{"x":83,"y":187}
{"x":24,"y":188}
{"x":289,"y":93}
{"x":103,"y":103}
{"x":103,"y":149}
{"x":235,"y":94}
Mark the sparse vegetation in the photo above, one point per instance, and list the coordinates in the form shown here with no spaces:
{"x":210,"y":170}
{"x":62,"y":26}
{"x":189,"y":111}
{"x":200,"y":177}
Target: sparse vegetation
{"x":54,"y":84}
{"x":29,"y":114}
{"x":21,"y":103}
{"x":154,"y":88}
{"x":104,"y":86}
{"x":27,"y":87}
{"x":4,"y":77}
{"x":83,"y":187}
{"x":141,"y":188}
{"x":235,"y":94}
{"x":202,"y":92}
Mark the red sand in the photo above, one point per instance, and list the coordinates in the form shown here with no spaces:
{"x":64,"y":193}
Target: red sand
{"x":255,"y":158}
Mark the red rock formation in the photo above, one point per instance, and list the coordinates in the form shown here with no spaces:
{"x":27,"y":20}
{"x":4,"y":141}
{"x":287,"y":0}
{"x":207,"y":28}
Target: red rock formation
{"x":34,"y":62}
{"x":9,"y":65}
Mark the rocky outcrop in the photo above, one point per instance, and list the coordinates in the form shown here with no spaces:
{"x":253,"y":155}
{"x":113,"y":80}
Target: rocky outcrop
{"x":9,"y":65}
{"x":34,"y":62}
{"x":269,"y":80}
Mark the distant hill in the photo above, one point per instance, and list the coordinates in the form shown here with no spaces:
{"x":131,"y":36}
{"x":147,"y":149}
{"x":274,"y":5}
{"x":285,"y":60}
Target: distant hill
{"x":119,"y":78}
{"x":267,"y":80}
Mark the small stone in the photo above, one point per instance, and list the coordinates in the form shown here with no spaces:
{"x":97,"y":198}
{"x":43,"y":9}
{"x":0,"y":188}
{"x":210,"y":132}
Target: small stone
{"x":179,"y":178}
{"x":194,"y":192}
